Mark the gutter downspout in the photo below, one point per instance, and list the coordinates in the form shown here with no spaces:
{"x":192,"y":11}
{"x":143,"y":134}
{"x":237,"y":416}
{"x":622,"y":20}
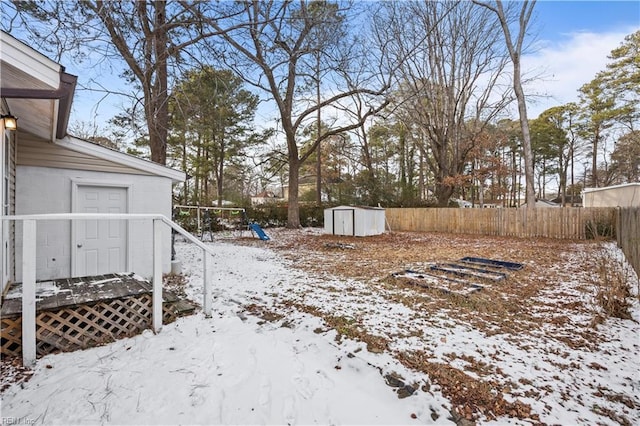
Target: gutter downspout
{"x":64,"y":94}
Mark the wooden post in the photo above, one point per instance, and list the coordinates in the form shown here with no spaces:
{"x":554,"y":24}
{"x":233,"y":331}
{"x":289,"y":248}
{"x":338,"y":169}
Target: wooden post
{"x":199,"y":222}
{"x":207,"y":296}
{"x":617,"y":226}
{"x":29,"y":293}
{"x":156,"y":304}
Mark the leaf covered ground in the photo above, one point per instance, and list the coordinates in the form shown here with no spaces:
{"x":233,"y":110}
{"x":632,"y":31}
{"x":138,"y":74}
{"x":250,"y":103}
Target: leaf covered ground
{"x":312,"y":328}
{"x":535,"y":346}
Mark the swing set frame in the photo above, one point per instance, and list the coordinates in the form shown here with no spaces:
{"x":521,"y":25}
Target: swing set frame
{"x":203,"y":211}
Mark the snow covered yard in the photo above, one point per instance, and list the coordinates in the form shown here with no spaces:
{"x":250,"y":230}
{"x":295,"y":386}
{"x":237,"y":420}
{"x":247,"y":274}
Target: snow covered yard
{"x":310,"y":328}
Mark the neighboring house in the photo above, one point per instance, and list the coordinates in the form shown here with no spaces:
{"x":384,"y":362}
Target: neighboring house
{"x":306,"y":186}
{"x":265,"y":197}
{"x":462,"y":203}
{"x":45,"y":171}
{"x":569,"y":200}
{"x":625,"y":195}
{"x":540,"y":203}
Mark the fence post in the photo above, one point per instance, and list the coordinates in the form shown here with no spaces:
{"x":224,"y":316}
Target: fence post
{"x":156,"y":300}
{"x":199,"y":221}
{"x":29,"y":293}
{"x":617,"y":225}
{"x":207,"y":296}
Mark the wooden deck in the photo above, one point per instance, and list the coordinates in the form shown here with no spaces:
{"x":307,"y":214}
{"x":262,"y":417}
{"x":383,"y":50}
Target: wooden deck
{"x":77,"y":313}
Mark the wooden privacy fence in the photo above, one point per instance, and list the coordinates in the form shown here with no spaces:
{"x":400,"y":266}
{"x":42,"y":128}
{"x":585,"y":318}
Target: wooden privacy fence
{"x":628,"y":235}
{"x":566,"y":223}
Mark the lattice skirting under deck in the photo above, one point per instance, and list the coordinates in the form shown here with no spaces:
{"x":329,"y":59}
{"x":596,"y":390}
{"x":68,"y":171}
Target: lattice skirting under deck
{"x":84,"y":326}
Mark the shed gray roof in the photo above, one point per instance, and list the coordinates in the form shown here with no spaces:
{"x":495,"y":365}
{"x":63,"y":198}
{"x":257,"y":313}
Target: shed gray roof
{"x":354,"y":208}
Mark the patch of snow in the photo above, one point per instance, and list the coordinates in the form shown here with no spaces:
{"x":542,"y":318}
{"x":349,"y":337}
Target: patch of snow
{"x":224,"y":369}
{"x":234,"y":368}
{"x":43,"y":289}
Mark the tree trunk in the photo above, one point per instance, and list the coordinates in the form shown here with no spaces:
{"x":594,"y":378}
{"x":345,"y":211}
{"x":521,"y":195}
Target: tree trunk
{"x":220,"y":173}
{"x":573,"y":183}
{"x":293,"y":208}
{"x":403,"y":165}
{"x":515,"y":51}
{"x":221,"y":148}
{"x":514,"y":179}
{"x":563,"y":188}
{"x":594,"y":160}
{"x":421,"y":177}
{"x":184,"y":168}
{"x":319,"y":135}
{"x":158,"y":116}
{"x":526,"y":135}
{"x":370,"y":171}
{"x":443,"y":194}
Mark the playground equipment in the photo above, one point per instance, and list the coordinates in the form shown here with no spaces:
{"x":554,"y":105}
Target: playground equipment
{"x":204,"y":221}
{"x":259,"y":232}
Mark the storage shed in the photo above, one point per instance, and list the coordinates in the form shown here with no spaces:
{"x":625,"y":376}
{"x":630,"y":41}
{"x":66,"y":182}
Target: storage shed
{"x":625,"y":195}
{"x":359,"y":221}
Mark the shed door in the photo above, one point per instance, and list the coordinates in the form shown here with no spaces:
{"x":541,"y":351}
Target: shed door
{"x":101,"y":245}
{"x":343,"y":221}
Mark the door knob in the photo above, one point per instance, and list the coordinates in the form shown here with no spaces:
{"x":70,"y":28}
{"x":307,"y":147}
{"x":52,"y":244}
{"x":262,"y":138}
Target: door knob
{"x":79,"y":245}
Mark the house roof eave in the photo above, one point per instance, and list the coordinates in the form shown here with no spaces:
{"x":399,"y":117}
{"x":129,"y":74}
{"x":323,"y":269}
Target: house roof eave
{"x":605,"y":188}
{"x":24,"y":57}
{"x":79,"y":145}
{"x":30,"y":77}
{"x":63,"y":94}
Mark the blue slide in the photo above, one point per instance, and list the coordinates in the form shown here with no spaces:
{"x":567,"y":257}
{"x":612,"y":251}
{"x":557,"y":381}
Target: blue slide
{"x":256,"y":228}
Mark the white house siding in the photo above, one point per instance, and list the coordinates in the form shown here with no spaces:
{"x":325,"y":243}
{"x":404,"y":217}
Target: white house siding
{"x":626,"y":195}
{"x":35,"y":152}
{"x":49,"y":190}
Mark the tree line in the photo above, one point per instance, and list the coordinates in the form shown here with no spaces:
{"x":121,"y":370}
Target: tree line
{"x":393,"y":103}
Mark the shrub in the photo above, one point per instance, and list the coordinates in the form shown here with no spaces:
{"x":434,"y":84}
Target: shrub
{"x":275,"y":215}
{"x":598,"y":228}
{"x":613,"y":289}
{"x":602,"y":224}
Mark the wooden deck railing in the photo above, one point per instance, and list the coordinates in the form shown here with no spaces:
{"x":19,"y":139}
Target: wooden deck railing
{"x":29,"y":268}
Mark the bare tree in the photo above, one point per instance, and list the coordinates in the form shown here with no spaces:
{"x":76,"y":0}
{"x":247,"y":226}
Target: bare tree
{"x":515,"y":47}
{"x":149,"y":36}
{"x":273,"y":52}
{"x":449,"y":88}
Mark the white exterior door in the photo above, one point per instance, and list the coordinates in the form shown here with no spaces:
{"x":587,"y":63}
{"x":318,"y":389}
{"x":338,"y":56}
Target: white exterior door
{"x":100,"y":245}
